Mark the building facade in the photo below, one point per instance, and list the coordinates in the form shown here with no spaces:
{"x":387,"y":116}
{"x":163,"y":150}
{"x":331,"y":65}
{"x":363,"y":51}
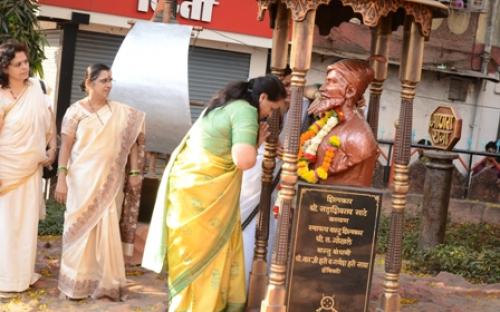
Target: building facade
{"x":228,"y":43}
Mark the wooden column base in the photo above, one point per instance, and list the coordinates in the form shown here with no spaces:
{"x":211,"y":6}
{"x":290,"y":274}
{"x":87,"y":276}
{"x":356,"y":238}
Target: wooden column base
{"x":390,"y":301}
{"x":258,"y":283}
{"x":274,"y":302}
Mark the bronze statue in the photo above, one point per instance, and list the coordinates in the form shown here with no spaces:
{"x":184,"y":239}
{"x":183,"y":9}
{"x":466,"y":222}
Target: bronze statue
{"x":340,"y":147}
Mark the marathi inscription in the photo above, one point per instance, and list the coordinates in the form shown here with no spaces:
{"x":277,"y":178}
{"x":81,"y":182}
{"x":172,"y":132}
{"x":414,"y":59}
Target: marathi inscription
{"x":332,"y":247}
{"x":444,"y":128}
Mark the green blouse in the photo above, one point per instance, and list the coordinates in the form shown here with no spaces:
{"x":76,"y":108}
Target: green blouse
{"x":234,"y":123}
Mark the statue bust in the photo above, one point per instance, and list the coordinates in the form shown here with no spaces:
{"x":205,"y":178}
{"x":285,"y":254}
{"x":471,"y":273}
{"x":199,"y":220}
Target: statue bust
{"x":353,"y":158}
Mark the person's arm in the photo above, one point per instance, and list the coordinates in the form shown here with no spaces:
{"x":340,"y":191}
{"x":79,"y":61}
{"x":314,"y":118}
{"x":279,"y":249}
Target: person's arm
{"x":479,"y":166}
{"x":244,"y":155}
{"x":134,"y":174}
{"x":52,"y":142}
{"x":244,"y":128}
{"x":61,"y":192}
{"x":68,"y":137}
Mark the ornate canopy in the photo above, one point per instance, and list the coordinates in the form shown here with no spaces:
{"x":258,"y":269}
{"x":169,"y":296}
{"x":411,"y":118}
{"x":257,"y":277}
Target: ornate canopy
{"x":331,"y":13}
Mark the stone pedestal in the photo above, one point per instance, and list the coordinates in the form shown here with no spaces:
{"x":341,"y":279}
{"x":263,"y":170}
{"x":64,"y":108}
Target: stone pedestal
{"x":437,"y":188}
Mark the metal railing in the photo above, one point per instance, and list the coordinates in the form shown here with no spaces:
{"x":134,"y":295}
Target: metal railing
{"x":467,"y":164}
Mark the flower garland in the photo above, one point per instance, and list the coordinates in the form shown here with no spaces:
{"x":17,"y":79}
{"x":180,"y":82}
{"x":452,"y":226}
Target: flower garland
{"x":309,"y":144}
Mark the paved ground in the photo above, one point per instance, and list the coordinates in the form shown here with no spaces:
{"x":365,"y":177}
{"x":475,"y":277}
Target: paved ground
{"x":147,"y":291}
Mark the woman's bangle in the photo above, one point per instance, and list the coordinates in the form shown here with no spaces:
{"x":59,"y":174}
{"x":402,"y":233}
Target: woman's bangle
{"x":134,"y":173}
{"x":62,"y":169}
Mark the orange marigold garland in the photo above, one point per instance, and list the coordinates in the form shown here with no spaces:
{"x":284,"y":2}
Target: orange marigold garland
{"x":309,"y":143}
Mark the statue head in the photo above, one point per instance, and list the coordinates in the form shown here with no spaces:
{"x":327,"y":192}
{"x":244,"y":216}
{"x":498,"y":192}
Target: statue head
{"x":346,"y":82}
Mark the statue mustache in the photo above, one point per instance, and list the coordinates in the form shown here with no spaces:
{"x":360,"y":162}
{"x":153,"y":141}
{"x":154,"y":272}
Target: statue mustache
{"x":331,"y":102}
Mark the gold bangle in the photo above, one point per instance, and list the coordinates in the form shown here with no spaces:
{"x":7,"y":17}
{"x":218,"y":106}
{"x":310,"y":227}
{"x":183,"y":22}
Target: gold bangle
{"x":134,"y":173}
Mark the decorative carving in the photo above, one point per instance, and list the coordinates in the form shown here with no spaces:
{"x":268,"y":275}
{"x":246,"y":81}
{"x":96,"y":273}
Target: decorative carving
{"x":262,"y":7}
{"x":300,"y":8}
{"x":370,"y":10}
{"x":422,"y":15}
{"x":373,"y":10}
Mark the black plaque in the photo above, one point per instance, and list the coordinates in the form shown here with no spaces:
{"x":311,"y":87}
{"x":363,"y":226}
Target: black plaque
{"x":333,"y":248}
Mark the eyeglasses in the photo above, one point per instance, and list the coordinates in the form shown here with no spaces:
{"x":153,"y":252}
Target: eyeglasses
{"x":105,"y":80}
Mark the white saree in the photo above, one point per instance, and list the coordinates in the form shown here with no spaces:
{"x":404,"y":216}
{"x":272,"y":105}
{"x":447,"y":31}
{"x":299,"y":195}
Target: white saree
{"x":92,"y":263}
{"x":23,"y":140}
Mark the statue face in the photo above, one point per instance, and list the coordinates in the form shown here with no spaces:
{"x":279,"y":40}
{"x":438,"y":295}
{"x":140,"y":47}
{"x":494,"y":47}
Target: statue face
{"x":334,"y":89}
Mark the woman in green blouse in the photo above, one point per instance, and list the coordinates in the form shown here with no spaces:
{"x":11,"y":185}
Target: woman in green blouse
{"x":195,"y":230}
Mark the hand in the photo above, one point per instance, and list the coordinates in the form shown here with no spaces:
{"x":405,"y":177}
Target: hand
{"x":263,"y":132}
{"x":134,"y":183}
{"x":61,"y":190}
{"x":51,"y":156}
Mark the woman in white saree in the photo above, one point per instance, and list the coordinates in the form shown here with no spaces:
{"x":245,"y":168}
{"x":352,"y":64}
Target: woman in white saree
{"x":99,"y":137}
{"x":26,"y":129}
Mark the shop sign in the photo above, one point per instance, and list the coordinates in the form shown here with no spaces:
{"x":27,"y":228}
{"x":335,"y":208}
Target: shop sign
{"x":445,"y":128}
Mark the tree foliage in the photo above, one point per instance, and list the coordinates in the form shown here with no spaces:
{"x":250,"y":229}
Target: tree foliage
{"x":18,"y":20}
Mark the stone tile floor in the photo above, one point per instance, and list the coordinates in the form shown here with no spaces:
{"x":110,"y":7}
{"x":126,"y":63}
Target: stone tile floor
{"x":147,"y":291}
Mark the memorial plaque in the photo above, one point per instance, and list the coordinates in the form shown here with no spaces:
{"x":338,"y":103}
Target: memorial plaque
{"x":333,"y":248}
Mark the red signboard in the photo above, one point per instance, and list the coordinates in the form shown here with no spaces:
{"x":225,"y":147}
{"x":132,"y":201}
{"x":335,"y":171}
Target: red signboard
{"x":237,"y":16}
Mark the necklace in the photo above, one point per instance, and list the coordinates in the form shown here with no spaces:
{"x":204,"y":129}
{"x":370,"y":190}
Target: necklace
{"x":93,"y":110}
{"x":14,"y":95}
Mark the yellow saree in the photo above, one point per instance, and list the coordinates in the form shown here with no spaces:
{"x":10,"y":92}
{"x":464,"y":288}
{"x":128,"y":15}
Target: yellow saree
{"x":196,"y":224}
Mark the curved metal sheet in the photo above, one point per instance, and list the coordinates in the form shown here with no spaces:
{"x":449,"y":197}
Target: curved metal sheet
{"x":150,"y":73}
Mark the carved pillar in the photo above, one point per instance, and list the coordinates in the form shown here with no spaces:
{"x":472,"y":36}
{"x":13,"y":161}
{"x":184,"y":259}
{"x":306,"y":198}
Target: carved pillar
{"x":281,"y":34}
{"x":258,"y":279}
{"x":410,"y":73}
{"x":381,"y":36}
{"x":300,"y":62}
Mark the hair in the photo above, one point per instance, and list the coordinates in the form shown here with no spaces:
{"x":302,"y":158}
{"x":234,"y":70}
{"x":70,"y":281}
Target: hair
{"x":357,"y":73}
{"x":8,"y":51}
{"x":91,"y":74}
{"x":287,"y":71}
{"x":490,"y":144}
{"x":424,"y":142}
{"x":249,"y":91}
